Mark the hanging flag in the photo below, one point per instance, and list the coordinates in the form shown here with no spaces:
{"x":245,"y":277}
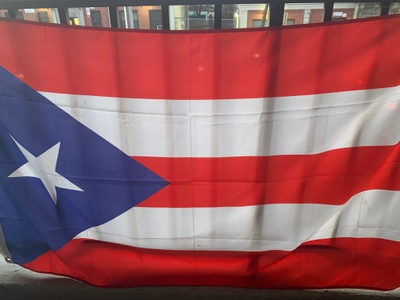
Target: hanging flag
{"x":263,"y":158}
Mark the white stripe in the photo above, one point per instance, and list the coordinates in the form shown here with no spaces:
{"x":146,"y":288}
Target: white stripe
{"x":242,"y":127}
{"x":372,"y":214}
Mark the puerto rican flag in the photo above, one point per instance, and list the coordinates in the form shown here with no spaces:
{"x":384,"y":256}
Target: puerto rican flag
{"x":263,"y":158}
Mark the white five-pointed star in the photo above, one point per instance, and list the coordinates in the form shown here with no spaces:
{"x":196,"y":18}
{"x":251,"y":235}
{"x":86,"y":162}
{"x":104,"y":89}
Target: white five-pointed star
{"x":44,"y":168}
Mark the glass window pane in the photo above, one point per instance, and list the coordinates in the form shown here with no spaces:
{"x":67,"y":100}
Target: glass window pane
{"x":370,"y":9}
{"x":47,"y":15}
{"x":394,"y":8}
{"x":89,"y":16}
{"x":257,"y":16}
{"x":122,"y":19}
{"x":95,"y":17}
{"x":135,"y":19}
{"x":43,"y":16}
{"x":178,"y":17}
{"x":250,"y":15}
{"x":346,"y":11}
{"x":193,"y":17}
{"x":140,"y":17}
{"x":155,"y":17}
{"x":303,"y":13}
{"x":230,"y":16}
{"x":233,"y":16}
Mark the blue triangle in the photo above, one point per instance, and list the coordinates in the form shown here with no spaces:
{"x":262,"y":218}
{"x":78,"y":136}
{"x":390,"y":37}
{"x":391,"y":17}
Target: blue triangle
{"x":112,"y":182}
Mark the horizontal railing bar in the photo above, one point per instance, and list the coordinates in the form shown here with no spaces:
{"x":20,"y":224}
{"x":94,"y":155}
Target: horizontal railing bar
{"x":12,"y":4}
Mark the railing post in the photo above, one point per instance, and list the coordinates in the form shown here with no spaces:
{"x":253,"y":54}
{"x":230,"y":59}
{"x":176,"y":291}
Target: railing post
{"x":385,"y":8}
{"x":165,"y":16}
{"x":113,"y":16}
{"x":218,"y":16}
{"x":328,"y":11}
{"x":276,"y":13}
{"x":12,"y":13}
{"x":63,"y":15}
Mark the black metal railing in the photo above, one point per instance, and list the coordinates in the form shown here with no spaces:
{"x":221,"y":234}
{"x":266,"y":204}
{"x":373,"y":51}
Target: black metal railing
{"x":276,"y":7}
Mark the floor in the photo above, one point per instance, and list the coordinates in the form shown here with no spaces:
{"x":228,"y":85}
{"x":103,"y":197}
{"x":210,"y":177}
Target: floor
{"x":19,"y":283}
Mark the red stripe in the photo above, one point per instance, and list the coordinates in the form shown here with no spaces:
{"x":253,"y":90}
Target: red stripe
{"x":342,"y":262}
{"x":204,"y":65}
{"x":329,"y":178}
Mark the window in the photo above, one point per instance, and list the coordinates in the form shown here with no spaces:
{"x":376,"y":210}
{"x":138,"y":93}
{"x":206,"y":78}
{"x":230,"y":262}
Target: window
{"x":155,"y":19}
{"x":43,"y":16}
{"x":290,"y":22}
{"x":122,"y":21}
{"x":135,"y":19}
{"x":256,"y":23}
{"x":20,"y":15}
{"x":95,"y":16}
{"x":229,"y":13}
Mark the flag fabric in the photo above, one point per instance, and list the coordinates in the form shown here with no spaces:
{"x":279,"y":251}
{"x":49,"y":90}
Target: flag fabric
{"x":264,"y":158}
